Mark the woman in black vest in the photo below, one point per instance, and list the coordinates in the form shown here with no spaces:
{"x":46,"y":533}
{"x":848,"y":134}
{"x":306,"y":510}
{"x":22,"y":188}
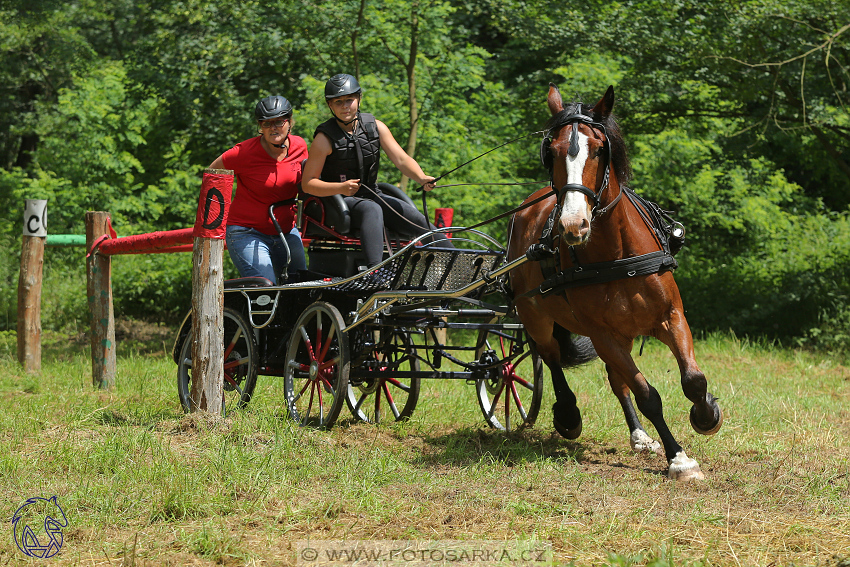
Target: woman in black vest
{"x":344,"y":159}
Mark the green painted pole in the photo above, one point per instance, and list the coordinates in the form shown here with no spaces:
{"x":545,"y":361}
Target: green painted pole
{"x":66,"y":240}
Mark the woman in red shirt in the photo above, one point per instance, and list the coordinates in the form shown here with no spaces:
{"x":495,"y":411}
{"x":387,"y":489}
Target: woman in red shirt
{"x":267,"y":169}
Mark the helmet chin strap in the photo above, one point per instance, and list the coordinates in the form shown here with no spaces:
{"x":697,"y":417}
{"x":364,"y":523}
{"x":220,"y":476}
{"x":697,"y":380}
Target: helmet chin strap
{"x":285,"y":140}
{"x":283,"y":145}
{"x":343,"y":122}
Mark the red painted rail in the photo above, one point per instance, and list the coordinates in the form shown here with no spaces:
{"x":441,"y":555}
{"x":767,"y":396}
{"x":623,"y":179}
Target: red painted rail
{"x":161,"y":242}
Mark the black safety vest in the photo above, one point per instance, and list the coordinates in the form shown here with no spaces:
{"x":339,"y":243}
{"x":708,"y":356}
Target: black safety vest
{"x":343,"y":162}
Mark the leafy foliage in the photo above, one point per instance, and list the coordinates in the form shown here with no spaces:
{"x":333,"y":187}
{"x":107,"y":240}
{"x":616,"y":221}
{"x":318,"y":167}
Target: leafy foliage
{"x":736,"y":115}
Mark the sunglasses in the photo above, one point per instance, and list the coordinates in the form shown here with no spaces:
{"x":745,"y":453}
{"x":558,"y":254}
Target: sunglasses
{"x":273,"y":123}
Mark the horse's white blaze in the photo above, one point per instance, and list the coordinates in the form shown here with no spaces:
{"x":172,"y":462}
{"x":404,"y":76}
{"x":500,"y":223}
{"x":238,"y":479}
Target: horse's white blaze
{"x":684,"y":468}
{"x":574,"y":205}
{"x":643,"y":443}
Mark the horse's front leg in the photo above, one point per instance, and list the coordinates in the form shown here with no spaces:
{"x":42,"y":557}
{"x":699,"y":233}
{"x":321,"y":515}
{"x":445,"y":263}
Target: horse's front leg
{"x":566,"y":415}
{"x":617,"y":356}
{"x":706,"y":416}
{"x":639,"y":439}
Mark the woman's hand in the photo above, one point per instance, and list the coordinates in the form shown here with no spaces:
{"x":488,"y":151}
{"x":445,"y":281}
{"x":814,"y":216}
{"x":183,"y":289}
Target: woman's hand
{"x":349,"y":187}
{"x":427,"y":182}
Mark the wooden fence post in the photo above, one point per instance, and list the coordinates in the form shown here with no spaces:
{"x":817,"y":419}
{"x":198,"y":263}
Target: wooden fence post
{"x":99,"y":291}
{"x":208,"y":291}
{"x":29,"y":284}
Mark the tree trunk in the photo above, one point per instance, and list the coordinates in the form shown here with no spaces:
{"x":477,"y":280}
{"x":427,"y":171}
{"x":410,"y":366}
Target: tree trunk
{"x":357,"y":27}
{"x":410,"y":68}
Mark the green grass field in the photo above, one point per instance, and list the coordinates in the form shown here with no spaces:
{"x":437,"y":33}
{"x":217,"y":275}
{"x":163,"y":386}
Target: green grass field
{"x":143,"y":484}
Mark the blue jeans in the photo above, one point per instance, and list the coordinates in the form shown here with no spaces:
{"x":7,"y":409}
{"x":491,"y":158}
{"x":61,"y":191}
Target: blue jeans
{"x":257,"y":254}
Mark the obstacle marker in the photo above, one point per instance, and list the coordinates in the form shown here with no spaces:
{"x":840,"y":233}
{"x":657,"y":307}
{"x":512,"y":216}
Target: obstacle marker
{"x":29,"y":285}
{"x":208,"y":291}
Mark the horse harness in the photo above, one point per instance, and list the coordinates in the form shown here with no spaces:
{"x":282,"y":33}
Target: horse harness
{"x":668,"y":233}
{"x":573,"y":116}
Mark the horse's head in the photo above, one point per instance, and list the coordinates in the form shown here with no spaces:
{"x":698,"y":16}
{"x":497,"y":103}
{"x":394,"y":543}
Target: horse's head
{"x":577,"y":153}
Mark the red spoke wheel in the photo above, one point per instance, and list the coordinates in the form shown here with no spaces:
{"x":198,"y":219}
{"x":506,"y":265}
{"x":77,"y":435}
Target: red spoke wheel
{"x":240,"y":365}
{"x":316,"y":375}
{"x":383,"y":397}
{"x":511,"y":392}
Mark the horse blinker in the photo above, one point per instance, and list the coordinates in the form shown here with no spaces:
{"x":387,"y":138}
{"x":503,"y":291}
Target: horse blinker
{"x":546,"y":153}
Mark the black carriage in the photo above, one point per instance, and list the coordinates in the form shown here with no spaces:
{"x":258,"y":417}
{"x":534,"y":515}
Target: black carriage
{"x":366,"y":340}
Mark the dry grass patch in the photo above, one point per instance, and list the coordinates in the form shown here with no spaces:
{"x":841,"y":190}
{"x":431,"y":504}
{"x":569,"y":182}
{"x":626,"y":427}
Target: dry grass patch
{"x":144,"y":484}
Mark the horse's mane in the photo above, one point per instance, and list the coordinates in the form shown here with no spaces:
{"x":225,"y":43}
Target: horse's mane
{"x":619,"y":154}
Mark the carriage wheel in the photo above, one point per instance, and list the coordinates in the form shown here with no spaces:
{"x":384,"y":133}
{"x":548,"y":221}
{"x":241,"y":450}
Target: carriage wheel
{"x":379,"y":398}
{"x":511,"y":392}
{"x":316,"y":375}
{"x":240,"y":365}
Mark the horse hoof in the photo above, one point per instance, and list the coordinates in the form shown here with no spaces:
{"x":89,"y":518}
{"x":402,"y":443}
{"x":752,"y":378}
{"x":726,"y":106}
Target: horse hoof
{"x":711,"y":430}
{"x":573,"y":433}
{"x":684,"y":469}
{"x":565,"y":431}
{"x":643,"y":443}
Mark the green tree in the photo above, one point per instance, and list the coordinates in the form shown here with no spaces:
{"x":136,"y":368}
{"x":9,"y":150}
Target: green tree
{"x":40,"y":49}
{"x":781,"y":69}
{"x":736,"y":114}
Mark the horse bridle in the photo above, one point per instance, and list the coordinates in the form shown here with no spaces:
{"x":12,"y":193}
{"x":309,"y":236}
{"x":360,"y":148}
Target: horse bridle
{"x":572,"y":118}
{"x":557,"y":280}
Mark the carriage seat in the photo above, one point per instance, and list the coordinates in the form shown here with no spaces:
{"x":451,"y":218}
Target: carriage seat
{"x":336,"y":215}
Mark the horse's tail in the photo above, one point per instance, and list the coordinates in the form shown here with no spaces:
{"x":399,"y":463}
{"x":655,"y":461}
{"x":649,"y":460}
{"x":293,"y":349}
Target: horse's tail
{"x":575,"y":349}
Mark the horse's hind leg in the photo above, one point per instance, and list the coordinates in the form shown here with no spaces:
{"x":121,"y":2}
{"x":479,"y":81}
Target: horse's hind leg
{"x":617,"y":356}
{"x":706,"y":416}
{"x":640,"y":441}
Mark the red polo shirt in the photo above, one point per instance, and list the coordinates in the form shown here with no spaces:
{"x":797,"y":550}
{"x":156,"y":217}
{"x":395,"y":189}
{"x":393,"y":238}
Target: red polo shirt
{"x":262,"y":180}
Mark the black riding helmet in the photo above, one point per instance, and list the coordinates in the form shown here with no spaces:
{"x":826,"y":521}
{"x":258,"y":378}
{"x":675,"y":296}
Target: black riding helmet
{"x":272,"y":107}
{"x":341,"y":85}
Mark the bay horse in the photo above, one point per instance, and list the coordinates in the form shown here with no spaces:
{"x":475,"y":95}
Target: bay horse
{"x":632,"y":293}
